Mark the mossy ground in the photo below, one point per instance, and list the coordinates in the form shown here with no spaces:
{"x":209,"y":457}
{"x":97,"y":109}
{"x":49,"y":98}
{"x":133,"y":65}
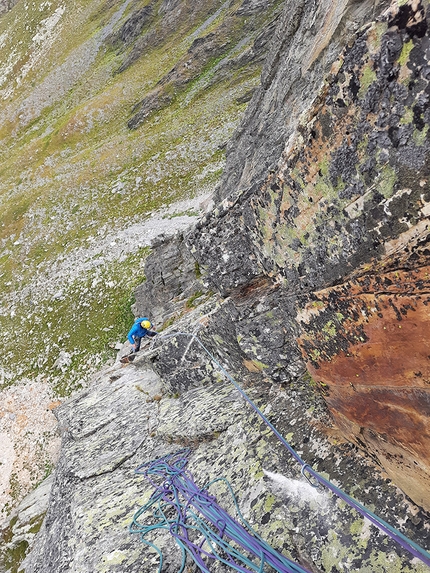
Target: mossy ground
{"x":71,"y":171}
{"x":12,"y":555}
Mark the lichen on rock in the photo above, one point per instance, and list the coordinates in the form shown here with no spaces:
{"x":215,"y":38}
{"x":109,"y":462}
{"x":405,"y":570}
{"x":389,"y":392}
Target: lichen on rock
{"x":346,"y":202}
{"x":96,"y":493}
{"x":314,"y":256}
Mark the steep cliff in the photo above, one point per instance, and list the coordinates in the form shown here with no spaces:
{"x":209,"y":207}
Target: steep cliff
{"x":307,"y":282}
{"x":130,"y":416}
{"x":339,"y":229}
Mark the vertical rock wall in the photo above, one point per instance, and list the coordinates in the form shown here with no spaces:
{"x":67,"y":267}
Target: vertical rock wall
{"x":337,"y":223}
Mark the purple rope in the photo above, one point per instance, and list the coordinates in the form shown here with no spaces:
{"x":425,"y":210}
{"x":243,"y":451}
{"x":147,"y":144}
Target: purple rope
{"x":197,"y":513}
{"x":401,"y":539}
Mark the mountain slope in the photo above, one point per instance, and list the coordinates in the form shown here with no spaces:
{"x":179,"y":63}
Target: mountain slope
{"x":82,"y":195}
{"x":74,"y":76}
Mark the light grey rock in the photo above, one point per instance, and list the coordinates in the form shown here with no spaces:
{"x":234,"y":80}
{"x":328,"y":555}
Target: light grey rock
{"x":35,"y":504}
{"x":126,"y":418}
{"x":6,"y":5}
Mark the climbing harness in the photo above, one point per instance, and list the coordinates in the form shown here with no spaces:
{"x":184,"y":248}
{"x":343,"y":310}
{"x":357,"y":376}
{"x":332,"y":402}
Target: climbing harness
{"x":396,"y":535}
{"x":199,"y":525}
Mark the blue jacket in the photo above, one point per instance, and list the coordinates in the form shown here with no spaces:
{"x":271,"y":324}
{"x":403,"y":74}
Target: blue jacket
{"x":137,"y":329}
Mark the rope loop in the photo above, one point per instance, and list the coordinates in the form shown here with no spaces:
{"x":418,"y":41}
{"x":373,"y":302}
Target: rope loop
{"x":202,"y":528}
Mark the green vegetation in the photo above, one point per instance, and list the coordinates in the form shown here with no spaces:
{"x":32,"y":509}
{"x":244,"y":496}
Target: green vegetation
{"x":406,"y":50}
{"x":168,"y":323}
{"x":11,"y":556}
{"x":197,"y":270}
{"x":72,"y":173}
{"x":191,"y":301}
{"x":84,"y":322}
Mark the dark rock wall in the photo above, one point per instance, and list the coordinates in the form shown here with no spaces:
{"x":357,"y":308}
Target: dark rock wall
{"x":308,"y":39}
{"x":320,"y":241}
{"x":173,"y":276}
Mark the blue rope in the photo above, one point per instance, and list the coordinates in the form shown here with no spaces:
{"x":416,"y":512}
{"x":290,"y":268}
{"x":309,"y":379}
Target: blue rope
{"x":199,"y":525}
{"x":401,"y":539}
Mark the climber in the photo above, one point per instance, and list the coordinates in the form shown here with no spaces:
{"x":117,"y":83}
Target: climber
{"x":139,"y":330}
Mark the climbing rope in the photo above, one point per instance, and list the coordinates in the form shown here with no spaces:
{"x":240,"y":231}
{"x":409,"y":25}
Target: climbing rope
{"x":199,"y":525}
{"x":396,"y":535}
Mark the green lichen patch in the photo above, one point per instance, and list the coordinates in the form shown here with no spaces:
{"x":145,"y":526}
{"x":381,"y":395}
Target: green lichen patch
{"x":406,"y":50}
{"x":387,"y":180}
{"x":368,"y":76}
{"x":191,"y":301}
{"x":421,"y":136}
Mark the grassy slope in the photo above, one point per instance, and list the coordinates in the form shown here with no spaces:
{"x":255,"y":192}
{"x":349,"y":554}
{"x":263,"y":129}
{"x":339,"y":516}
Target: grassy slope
{"x":71,"y":172}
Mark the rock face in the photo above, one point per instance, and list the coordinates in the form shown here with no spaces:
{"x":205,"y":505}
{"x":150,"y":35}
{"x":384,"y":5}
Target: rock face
{"x":23,"y":526}
{"x":173,"y":283}
{"x":305,"y":44}
{"x":308,"y":284}
{"x":6,"y":5}
{"x":129,"y":416}
{"x":339,"y":229}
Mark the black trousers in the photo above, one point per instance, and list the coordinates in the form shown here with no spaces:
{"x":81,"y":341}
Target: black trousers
{"x":138,"y":339}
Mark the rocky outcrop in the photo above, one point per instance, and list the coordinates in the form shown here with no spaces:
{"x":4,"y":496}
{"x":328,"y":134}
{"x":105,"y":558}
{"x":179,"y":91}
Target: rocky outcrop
{"x":6,"y":5}
{"x":339,"y":228}
{"x":330,"y":251}
{"x":175,"y":283}
{"x":129,"y":416}
{"x":307,"y":41}
{"x":133,"y":27}
{"x":366,"y":342}
{"x":20,"y":531}
{"x":240,"y":40}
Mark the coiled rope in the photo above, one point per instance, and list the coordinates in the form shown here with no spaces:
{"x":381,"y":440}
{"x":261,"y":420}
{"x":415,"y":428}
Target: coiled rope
{"x":307,"y":470}
{"x":199,"y":525}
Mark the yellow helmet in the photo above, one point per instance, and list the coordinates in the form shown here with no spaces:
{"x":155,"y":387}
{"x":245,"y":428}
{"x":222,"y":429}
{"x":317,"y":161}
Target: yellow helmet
{"x":145,"y":324}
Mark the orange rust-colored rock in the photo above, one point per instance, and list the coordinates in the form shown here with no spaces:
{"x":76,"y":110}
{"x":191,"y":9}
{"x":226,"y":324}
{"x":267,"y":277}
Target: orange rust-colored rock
{"x":366,"y":344}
